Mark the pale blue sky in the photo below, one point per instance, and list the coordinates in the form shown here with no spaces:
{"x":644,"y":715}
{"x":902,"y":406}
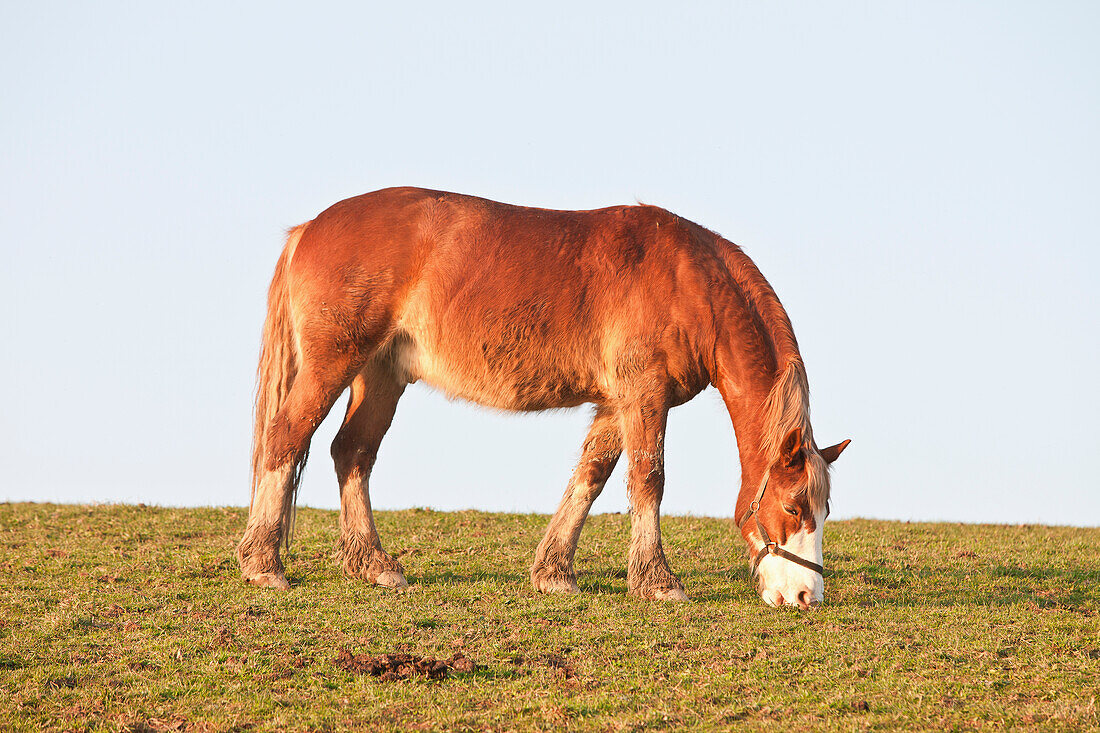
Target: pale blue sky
{"x":919,"y":181}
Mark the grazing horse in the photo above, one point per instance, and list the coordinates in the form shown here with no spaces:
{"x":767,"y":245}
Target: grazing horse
{"x":630,"y":308}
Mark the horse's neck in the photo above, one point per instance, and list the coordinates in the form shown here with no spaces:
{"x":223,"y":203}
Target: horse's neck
{"x":746,"y":369}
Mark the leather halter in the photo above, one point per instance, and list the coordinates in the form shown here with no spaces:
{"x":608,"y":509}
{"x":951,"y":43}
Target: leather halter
{"x":771,"y":546}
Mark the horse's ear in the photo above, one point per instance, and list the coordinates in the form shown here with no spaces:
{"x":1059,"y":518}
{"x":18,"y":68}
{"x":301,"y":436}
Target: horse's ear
{"x":791,"y":450}
{"x":833,"y":452}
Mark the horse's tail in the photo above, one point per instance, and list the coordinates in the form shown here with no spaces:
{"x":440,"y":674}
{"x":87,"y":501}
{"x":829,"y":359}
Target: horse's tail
{"x":279,"y":363}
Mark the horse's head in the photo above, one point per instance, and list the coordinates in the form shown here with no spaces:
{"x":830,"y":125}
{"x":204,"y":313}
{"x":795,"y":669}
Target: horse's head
{"x":784,"y":523}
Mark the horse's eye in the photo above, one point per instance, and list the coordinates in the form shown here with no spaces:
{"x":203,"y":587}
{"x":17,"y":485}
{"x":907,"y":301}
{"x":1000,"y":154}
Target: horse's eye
{"x":793,"y":511}
{"x":827,"y":509}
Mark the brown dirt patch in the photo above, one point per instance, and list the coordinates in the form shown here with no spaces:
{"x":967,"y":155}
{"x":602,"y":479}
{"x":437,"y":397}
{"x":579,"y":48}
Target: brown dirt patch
{"x":561,"y":665}
{"x":402,"y":666}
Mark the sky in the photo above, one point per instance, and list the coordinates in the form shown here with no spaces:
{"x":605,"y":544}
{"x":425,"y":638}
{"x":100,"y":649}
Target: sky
{"x":920,"y":182}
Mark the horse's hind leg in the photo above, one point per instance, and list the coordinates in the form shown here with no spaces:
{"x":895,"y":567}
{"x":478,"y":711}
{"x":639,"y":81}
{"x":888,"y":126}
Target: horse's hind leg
{"x":553,"y":568}
{"x":286,"y":446}
{"x":374,"y":395}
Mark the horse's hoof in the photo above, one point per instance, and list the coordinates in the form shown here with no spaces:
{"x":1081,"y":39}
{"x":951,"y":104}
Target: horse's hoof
{"x":555,"y":585}
{"x":270,"y":580}
{"x":391,"y":579}
{"x":670,"y":594}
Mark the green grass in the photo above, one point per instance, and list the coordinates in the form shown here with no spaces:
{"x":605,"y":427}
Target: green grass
{"x":134,"y":618}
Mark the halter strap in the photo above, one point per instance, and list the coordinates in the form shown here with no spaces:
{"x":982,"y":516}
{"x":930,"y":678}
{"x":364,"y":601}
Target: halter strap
{"x":771,"y":546}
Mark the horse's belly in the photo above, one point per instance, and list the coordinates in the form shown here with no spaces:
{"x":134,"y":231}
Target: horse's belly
{"x":504,"y":381}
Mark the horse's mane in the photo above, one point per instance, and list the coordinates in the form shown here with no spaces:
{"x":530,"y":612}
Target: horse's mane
{"x":787,"y":406}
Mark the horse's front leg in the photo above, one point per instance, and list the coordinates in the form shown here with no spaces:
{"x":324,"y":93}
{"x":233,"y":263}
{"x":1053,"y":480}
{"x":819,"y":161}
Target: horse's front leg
{"x":553,"y":568}
{"x":647,"y":572}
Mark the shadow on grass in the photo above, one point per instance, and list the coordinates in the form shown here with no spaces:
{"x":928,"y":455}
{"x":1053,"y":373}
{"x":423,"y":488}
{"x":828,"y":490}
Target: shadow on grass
{"x":450,"y":577}
{"x":605,"y":581}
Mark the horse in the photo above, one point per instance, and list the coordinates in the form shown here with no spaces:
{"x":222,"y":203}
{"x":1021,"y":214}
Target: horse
{"x":631,"y":309}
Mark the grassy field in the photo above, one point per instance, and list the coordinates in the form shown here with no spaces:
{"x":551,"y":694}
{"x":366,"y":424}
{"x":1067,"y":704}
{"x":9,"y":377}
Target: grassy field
{"x":134,"y":618}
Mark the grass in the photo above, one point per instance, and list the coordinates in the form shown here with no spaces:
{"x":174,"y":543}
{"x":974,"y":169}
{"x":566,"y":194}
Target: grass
{"x":134,"y":618}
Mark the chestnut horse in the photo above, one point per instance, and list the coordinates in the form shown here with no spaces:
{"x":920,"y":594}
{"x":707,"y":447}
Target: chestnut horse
{"x":630,"y":308}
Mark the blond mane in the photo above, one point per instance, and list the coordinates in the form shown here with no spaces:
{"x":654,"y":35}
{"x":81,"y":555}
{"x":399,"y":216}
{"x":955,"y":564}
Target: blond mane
{"x":787,"y":408}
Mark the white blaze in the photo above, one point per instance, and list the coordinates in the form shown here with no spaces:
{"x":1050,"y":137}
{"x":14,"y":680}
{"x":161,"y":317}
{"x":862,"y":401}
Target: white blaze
{"x":781,"y":581}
